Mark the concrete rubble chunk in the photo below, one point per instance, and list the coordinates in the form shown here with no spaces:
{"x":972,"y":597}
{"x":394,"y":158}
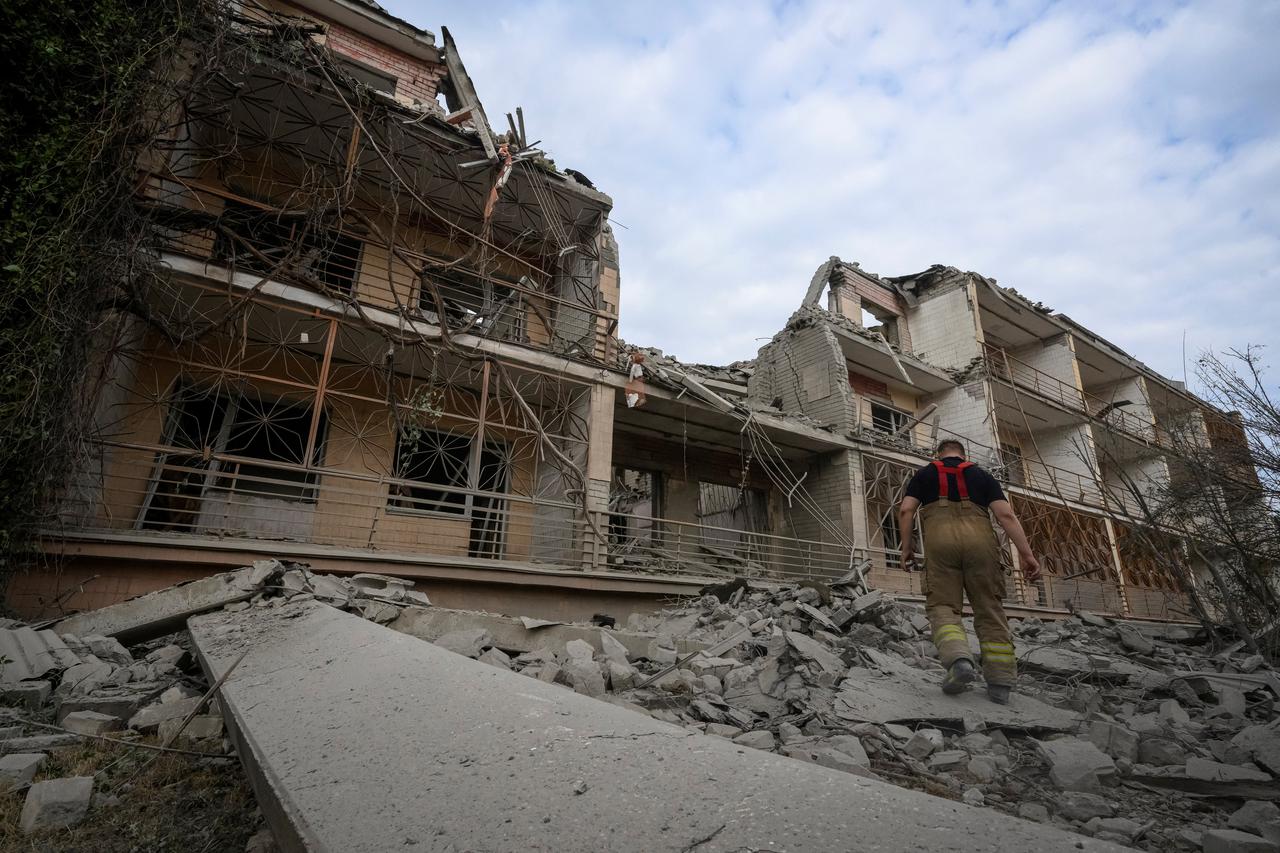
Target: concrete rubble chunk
{"x":762,"y":739}
{"x":1235,"y":841}
{"x":1212,"y":771}
{"x":201,"y":727}
{"x":1262,"y":743}
{"x":923,"y":743}
{"x":584,"y":676}
{"x":84,"y":678}
{"x":612,"y":649}
{"x":579,"y":650}
{"x":723,"y":730}
{"x":1033,"y":811}
{"x":312,"y":666}
{"x":621,"y":676}
{"x":1114,"y":739}
{"x":494,"y":657}
{"x":1134,"y":640}
{"x":811,"y":650}
{"x":166,"y":654}
{"x":19,"y":768}
{"x":38,"y":743}
{"x":1161,"y":752}
{"x":1119,"y":829}
{"x":1172,"y":713}
{"x":158,"y":613}
{"x":149,"y":718}
{"x":1082,"y":806}
{"x":948,"y":759}
{"x":468,"y":642}
{"x":56,"y":803}
{"x":122,"y":701}
{"x":108,"y":649}
{"x":983,"y":768}
{"x":1076,"y":765}
{"x":1253,"y":816}
{"x":91,"y":723}
{"x":849,"y":745}
{"x":29,"y":694}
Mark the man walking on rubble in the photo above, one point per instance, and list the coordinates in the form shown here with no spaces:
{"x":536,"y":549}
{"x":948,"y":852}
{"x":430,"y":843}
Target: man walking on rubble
{"x":963,"y":556}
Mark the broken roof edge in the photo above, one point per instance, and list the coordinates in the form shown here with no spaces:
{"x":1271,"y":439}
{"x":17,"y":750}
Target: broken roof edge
{"x":370,"y":19}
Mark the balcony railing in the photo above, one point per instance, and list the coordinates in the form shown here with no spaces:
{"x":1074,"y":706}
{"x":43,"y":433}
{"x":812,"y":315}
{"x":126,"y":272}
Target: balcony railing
{"x":499,"y":298}
{"x":1015,"y":372}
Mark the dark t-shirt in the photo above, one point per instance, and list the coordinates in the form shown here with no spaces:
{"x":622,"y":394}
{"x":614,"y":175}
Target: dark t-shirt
{"x":983,"y":488}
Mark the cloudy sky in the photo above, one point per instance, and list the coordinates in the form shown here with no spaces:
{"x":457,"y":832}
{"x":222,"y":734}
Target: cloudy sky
{"x":1119,"y":162}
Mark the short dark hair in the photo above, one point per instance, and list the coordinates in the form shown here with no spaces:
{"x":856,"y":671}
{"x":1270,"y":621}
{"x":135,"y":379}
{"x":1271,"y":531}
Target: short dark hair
{"x":951,"y":442}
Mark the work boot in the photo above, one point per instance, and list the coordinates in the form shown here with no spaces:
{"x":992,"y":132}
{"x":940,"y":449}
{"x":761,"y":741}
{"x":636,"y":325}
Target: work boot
{"x":959,"y":677}
{"x":998,"y":693}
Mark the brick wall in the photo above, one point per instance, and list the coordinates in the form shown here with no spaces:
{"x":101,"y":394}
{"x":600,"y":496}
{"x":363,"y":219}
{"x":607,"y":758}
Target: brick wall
{"x":416,"y":79}
{"x":944,"y":329}
{"x":867,"y":386}
{"x":963,"y":412}
{"x":831,"y":483}
{"x":1056,"y":357}
{"x":806,"y":369}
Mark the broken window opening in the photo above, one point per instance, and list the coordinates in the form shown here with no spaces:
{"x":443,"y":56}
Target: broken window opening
{"x":634,"y":503}
{"x":888,"y":420}
{"x":441,"y":462}
{"x":733,"y":508}
{"x":374,"y":78}
{"x":1011,"y":456}
{"x":489,"y":304}
{"x":331,"y":257}
{"x":213,"y":425}
{"x":875,"y":319}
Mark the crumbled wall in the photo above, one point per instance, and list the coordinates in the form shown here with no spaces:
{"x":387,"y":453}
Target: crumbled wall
{"x":944,"y":330}
{"x":804,"y":368}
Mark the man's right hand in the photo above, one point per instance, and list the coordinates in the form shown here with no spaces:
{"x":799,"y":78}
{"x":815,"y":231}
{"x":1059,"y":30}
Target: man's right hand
{"x":907,"y":559}
{"x":1030,"y":567}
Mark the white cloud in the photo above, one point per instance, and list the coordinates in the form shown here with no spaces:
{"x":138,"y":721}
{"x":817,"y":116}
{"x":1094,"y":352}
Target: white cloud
{"x":1123,"y":167}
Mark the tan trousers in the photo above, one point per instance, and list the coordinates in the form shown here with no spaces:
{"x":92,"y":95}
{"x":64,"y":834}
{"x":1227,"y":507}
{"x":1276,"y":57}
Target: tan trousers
{"x":962,"y":556}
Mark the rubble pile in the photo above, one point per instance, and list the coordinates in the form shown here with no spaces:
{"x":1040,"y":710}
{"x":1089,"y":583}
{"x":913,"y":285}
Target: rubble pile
{"x":1125,"y":732}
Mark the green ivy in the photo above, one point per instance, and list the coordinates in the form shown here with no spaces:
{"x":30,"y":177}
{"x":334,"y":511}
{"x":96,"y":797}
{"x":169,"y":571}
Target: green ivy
{"x":74,"y":78}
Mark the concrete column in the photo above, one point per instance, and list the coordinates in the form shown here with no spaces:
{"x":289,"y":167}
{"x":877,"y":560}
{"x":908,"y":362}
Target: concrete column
{"x":599,"y":473}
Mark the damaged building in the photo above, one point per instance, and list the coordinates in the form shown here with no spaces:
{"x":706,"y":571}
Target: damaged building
{"x":377,"y":331}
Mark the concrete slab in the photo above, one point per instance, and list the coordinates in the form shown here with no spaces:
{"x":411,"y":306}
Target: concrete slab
{"x":906,"y":694}
{"x":468,"y":739}
{"x":512,"y":636}
{"x":158,"y":613}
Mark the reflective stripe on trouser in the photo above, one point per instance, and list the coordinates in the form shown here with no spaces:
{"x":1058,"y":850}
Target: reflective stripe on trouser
{"x":962,"y":557}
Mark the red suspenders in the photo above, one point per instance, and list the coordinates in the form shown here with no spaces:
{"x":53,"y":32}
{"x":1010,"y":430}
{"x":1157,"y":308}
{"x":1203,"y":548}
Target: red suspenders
{"x":961,"y":486}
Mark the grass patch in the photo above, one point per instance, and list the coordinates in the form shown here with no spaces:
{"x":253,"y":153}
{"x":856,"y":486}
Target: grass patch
{"x":178,"y":804}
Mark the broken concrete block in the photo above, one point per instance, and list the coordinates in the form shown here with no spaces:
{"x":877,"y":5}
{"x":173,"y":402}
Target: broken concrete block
{"x":1033,"y":811}
{"x":149,"y":718}
{"x":1235,"y":841}
{"x":973,"y":797}
{"x":851,"y":746}
{"x":1262,"y":743}
{"x":27,"y":694}
{"x":761,"y":739}
{"x":178,"y":692}
{"x":866,"y":604}
{"x":166,"y":654}
{"x":1134,"y":640}
{"x":1118,"y":829}
{"x":723,"y":730}
{"x":709,"y":683}
{"x":1076,"y":765}
{"x":495,"y":657}
{"x":1212,"y":771}
{"x":1172,"y":713}
{"x":201,"y":727}
{"x":1081,"y":806}
{"x":1253,"y":815}
{"x":122,"y":702}
{"x":948,"y":759}
{"x":923,"y":743}
{"x":719,"y":667}
{"x":468,"y":642}
{"x":37,"y":743}
{"x":789,"y":733}
{"x":983,"y":768}
{"x":579,"y":650}
{"x":19,"y":768}
{"x":1114,"y":739}
{"x":811,"y":650}
{"x":827,"y":757}
{"x":91,"y":723}
{"x":108,"y":649}
{"x":1161,"y":752}
{"x":56,"y":803}
{"x":622,"y":676}
{"x":583,"y":676}
{"x":84,"y":678}
{"x":612,"y":649}
{"x":1251,"y":663}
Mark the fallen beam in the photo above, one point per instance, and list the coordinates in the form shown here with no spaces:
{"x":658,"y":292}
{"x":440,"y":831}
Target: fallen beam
{"x":359,"y":738}
{"x":158,"y":613}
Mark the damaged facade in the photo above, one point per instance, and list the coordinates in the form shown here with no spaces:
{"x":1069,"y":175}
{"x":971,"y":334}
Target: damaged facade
{"x":380,"y":335}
